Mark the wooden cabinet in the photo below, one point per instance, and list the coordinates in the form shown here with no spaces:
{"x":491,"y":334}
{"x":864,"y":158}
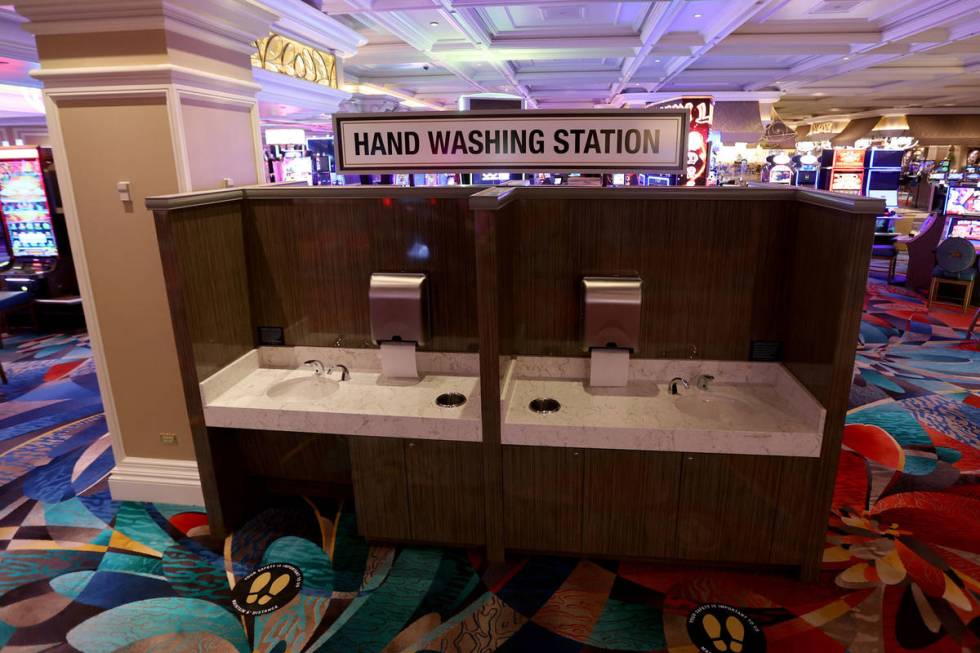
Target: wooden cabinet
{"x":643,"y":504}
{"x":418,"y":490}
{"x":445,"y":491}
{"x":543,"y":498}
{"x":793,"y":524}
{"x":380,"y":498}
{"x":630,"y":503}
{"x":727,"y":507}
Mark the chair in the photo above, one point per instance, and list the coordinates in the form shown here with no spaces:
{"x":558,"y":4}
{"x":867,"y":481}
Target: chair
{"x":922,"y":252}
{"x":11,"y":300}
{"x":955,"y":265}
{"x":886,"y":251}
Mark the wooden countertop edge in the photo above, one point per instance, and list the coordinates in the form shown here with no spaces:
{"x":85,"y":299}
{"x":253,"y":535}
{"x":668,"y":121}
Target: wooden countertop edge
{"x":492,"y":198}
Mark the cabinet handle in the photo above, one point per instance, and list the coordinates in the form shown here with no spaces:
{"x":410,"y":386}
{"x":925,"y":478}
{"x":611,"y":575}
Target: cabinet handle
{"x":575,"y":453}
{"x":411,"y":445}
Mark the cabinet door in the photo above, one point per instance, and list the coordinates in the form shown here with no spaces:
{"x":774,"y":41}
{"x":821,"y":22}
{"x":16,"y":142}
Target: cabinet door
{"x":793,"y":527}
{"x":727,"y":507}
{"x":543,"y":499}
{"x":445,"y":491}
{"x":380,"y":499}
{"x":630,"y":503}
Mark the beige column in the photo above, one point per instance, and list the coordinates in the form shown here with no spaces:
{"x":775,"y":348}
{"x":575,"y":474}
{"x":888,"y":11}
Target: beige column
{"x":157,"y":94}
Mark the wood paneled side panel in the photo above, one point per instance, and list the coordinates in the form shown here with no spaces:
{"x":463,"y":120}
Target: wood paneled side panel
{"x":445,"y":491}
{"x":311,"y":261}
{"x":543,"y":498}
{"x":727,"y":507}
{"x":831,"y":254}
{"x":488,"y":274}
{"x":224,"y":495}
{"x":630,"y":500}
{"x":380,"y":488}
{"x":710,"y":281}
{"x":209,"y":249}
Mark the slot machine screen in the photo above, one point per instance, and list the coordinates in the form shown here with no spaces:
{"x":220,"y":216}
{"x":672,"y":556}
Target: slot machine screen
{"x":847,"y":181}
{"x":491,"y":177}
{"x":848,"y":158}
{"x":963,"y":200}
{"x":890,"y":196}
{"x":965,"y":228}
{"x":296,"y":167}
{"x":781,"y":174}
{"x":24,"y":205}
{"x":886,"y":158}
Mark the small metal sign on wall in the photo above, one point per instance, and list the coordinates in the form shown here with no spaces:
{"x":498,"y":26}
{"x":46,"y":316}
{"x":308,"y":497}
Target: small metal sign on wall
{"x":513,"y":140}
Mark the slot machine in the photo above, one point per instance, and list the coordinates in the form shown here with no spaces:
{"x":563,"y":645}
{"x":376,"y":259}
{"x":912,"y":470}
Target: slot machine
{"x":781,"y":171}
{"x":34,"y":228}
{"x":963,"y":214}
{"x":807,"y":166}
{"x":845,"y":173}
{"x":883,"y":174}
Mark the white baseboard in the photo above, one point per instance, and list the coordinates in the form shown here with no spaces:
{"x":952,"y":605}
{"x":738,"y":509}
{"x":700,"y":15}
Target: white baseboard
{"x":158,"y":480}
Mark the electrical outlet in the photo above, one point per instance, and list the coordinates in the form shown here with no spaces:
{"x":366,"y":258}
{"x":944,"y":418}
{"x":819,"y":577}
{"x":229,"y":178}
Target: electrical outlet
{"x":168,"y":438}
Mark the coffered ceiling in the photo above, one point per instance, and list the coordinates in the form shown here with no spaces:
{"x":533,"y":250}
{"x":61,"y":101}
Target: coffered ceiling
{"x":818,"y":57}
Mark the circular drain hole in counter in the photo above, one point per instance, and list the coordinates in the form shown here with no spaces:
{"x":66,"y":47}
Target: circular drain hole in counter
{"x":450,"y":400}
{"x":544,"y":406}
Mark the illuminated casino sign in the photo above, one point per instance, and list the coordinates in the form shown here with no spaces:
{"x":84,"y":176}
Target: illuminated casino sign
{"x":513,"y":141}
{"x":279,"y":54}
{"x":701,"y":111}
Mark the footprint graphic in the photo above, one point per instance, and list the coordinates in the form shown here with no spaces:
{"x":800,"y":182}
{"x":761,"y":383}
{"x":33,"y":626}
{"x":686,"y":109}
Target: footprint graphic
{"x":713,"y":627}
{"x":260,"y":583}
{"x":735,"y":633}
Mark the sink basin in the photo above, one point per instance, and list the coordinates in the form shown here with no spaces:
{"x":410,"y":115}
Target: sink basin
{"x":304,"y":388}
{"x":711,"y":406}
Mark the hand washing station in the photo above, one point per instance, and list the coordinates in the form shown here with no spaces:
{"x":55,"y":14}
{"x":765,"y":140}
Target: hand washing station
{"x":653,"y":373}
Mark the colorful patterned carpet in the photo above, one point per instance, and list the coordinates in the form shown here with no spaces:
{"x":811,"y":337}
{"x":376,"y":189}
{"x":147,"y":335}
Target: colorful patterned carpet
{"x":79,"y":572}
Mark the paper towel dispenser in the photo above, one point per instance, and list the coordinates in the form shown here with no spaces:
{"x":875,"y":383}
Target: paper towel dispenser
{"x":397,"y":305}
{"x":612,"y":312}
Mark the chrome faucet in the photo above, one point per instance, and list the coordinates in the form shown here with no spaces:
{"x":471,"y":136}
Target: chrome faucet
{"x":316,"y":365}
{"x":344,"y":372}
{"x":703,"y":381}
{"x":673,"y":384}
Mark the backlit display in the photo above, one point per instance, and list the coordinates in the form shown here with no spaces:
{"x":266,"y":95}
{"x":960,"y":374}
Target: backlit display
{"x":969,"y":229}
{"x":25,"y":209}
{"x":846,"y":181}
{"x":963,"y":200}
{"x":848,"y":159}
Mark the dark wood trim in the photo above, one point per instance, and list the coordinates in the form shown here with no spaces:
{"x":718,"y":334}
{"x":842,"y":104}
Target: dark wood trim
{"x":492,"y":198}
{"x":220,"y":499}
{"x":488,"y":317}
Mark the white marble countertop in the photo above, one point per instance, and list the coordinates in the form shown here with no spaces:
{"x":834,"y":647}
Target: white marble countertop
{"x":750,"y":408}
{"x":253,"y":393}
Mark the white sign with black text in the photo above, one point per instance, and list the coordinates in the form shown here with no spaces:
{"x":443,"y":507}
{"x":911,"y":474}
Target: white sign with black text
{"x":588,"y":141}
